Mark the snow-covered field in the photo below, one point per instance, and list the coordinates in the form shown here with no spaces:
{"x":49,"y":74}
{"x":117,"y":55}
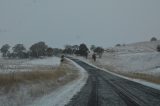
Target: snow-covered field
{"x":140,"y":56}
{"x":46,"y":61}
{"x":143,"y":82}
{"x":139,"y":60}
{"x":39,"y":82}
{"x":15,"y":65}
{"x":62,"y":96}
{"x":139,"y":47}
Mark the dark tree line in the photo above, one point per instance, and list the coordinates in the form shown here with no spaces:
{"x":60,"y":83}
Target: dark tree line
{"x":81,"y":50}
{"x":37,"y":50}
{"x":40,"y":49}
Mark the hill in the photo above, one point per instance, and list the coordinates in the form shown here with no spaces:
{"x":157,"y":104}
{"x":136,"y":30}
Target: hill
{"x":138,"y":60}
{"x":139,"y":47}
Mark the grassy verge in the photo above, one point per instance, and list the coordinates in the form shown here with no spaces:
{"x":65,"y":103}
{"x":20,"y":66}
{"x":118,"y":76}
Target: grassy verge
{"x":22,"y":88}
{"x":135,"y":75}
{"x":39,"y":81}
{"x":144,"y":76}
{"x":35,"y":75}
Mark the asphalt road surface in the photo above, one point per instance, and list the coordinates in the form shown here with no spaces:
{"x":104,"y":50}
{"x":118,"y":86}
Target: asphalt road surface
{"x":105,"y":89}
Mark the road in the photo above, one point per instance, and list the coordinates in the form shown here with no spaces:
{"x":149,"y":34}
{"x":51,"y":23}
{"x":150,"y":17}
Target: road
{"x":105,"y":89}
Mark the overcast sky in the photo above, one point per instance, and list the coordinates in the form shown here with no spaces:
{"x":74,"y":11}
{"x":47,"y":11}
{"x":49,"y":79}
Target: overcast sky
{"x":59,"y":22}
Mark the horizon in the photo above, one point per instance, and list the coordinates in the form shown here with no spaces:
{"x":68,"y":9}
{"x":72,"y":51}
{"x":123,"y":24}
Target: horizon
{"x":58,"y":23}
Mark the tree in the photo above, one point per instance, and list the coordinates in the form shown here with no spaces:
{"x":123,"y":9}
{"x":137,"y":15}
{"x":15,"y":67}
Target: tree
{"x":153,"y":39}
{"x":57,"y":51}
{"x":50,"y":51}
{"x":68,"y":49}
{"x":83,"y":50}
{"x":38,"y":49}
{"x":19,"y":50}
{"x":158,"y":48}
{"x":99,"y":51}
{"x":11,"y":55}
{"x":5,"y":49}
{"x":92,"y":47}
{"x":75,"y":48}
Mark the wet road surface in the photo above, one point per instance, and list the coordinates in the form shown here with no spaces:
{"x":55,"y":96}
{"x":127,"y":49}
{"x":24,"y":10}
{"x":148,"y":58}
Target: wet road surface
{"x":105,"y":89}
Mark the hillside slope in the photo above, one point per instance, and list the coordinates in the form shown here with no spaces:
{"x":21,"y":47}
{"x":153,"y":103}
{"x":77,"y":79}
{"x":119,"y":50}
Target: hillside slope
{"x":138,"y":60}
{"x":146,"y":46}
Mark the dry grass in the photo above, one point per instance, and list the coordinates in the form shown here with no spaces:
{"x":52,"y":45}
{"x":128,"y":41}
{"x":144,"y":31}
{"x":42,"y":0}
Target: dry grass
{"x":143,"y":76}
{"x":34,"y":76}
{"x":24,"y":87}
{"x":53,"y":80}
{"x":135,"y":75}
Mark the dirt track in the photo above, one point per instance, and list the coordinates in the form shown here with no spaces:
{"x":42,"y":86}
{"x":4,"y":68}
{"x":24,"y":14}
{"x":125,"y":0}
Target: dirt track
{"x":104,"y":89}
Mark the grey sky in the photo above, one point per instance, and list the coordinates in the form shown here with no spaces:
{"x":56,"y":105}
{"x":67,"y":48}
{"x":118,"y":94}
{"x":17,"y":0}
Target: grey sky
{"x":60,"y":22}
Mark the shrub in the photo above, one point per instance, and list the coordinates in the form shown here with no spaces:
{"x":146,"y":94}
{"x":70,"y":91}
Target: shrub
{"x":158,"y":48}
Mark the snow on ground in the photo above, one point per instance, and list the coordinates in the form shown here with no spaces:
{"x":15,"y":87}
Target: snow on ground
{"x":136,"y":47}
{"x":14,"y":65}
{"x":20,"y":96}
{"x":27,"y":93}
{"x":141,"y":58}
{"x":155,"y":72}
{"x":143,"y":82}
{"x":62,"y":96}
{"x":132,"y":62}
{"x":46,"y":61}
{"x":135,"y":60}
